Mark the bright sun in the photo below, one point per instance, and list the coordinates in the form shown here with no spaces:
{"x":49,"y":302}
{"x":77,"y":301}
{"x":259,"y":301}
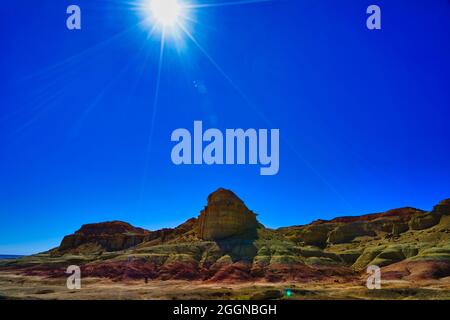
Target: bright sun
{"x":166,"y":12}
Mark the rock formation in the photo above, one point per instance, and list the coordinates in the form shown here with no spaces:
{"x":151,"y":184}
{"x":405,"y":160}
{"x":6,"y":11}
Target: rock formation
{"x":107,"y":236}
{"x":442,"y":208}
{"x":226,"y":243}
{"x":225,"y":216}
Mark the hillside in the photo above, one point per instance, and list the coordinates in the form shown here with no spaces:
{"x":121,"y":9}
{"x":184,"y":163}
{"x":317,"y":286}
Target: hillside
{"x":226,"y":243}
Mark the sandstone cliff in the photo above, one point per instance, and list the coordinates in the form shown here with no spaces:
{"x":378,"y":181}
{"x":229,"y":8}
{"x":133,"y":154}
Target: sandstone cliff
{"x":108,"y":236}
{"x":225,"y":216}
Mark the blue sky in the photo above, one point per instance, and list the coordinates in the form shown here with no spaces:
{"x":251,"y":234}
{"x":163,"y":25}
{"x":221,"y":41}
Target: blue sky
{"x":363,"y":115}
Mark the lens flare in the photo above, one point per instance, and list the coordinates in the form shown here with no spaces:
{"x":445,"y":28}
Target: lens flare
{"x":165,"y":12}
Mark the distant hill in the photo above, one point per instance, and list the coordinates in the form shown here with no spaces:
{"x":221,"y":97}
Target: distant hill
{"x":9,"y":256}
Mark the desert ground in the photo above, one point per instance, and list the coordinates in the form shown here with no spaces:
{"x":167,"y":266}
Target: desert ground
{"x":17,"y":286}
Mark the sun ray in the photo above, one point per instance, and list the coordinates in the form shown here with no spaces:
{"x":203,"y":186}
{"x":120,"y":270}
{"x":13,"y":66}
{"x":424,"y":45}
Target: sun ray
{"x":152,"y":120}
{"x":54,"y":75}
{"x":262,"y":115}
{"x":48,"y":97}
{"x":224,"y":4}
{"x":103,"y":92}
{"x":223,"y":73}
{"x":64,"y":63}
{"x":46,"y":104}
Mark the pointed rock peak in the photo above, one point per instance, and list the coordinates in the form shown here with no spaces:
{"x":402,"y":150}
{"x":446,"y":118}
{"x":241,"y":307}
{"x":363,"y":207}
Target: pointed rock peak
{"x":221,"y":195}
{"x":225,"y":216}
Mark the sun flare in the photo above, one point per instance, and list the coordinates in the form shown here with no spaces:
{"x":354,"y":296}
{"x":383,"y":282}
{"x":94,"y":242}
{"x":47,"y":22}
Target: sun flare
{"x":166,"y":13}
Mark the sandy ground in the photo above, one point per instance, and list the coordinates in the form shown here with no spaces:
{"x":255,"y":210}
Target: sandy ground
{"x":16,"y":286}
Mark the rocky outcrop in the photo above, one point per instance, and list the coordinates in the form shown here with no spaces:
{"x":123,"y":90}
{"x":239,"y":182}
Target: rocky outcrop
{"x":390,"y":224}
{"x":429,"y":219}
{"x":316,"y":235}
{"x":399,"y":214}
{"x":183,"y":232}
{"x":347,"y":232}
{"x":442,"y":208}
{"x":225,"y":216}
{"x":417,"y":270}
{"x":105,"y":236}
{"x":424,"y":221}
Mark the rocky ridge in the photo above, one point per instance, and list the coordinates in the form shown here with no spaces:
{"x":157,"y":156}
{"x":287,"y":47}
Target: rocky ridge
{"x":227,"y":243}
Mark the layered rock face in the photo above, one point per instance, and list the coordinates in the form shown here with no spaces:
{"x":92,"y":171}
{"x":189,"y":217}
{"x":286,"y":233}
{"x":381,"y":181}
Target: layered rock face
{"x":107,"y":236}
{"x":225,"y":216}
{"x":442,"y":208}
{"x":387,"y":224}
